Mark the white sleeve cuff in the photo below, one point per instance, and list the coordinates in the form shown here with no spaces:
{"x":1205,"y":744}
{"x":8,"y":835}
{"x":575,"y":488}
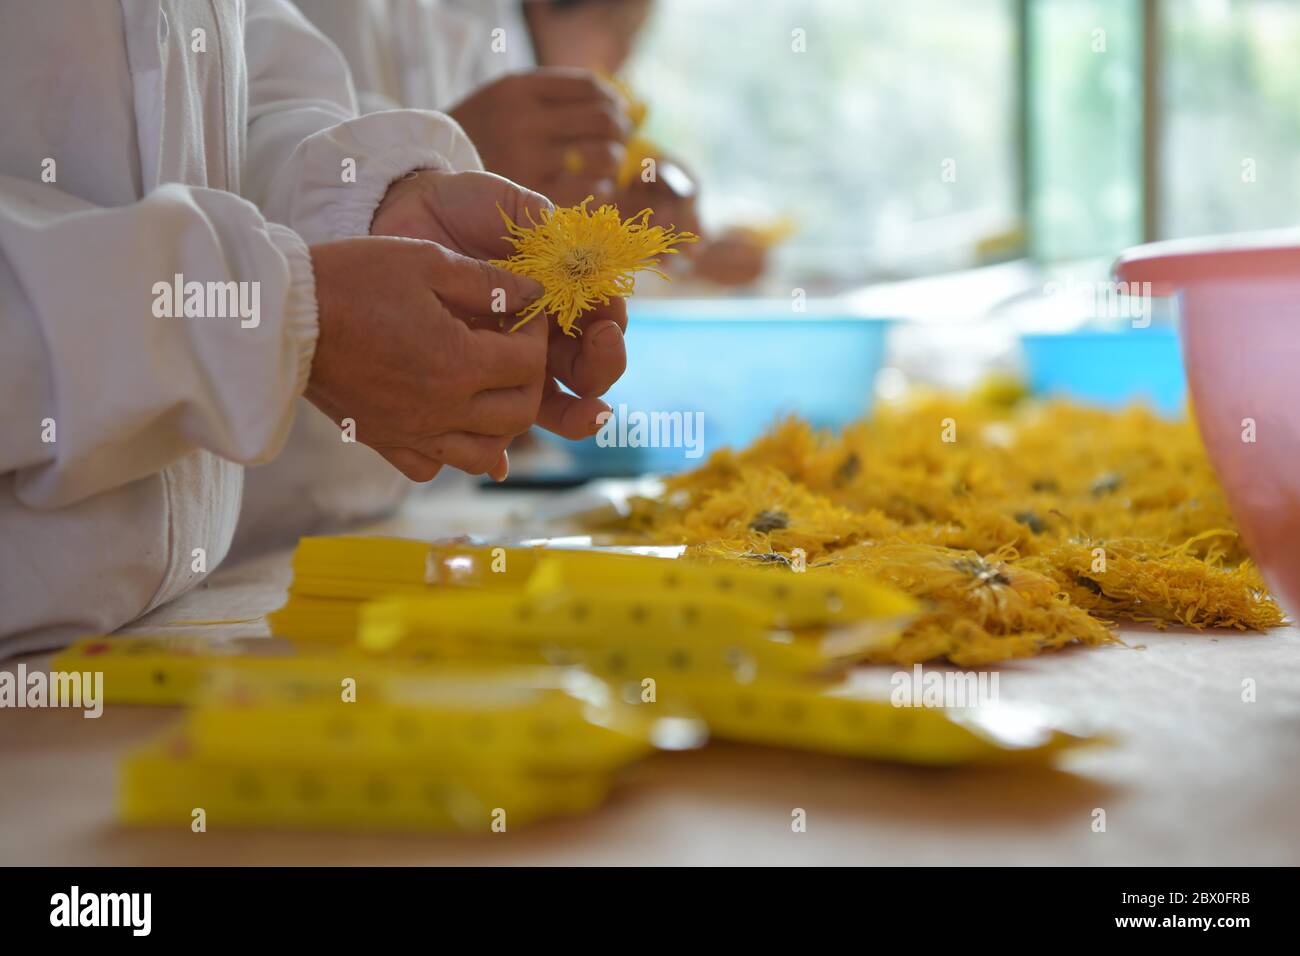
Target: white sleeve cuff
{"x":301,"y":312}
{"x":338,"y":176}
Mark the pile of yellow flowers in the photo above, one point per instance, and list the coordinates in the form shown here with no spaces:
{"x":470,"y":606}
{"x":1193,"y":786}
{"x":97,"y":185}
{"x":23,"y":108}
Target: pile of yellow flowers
{"x":1022,"y":526}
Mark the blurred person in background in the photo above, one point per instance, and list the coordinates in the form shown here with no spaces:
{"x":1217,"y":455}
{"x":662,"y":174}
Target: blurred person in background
{"x":524,"y":80}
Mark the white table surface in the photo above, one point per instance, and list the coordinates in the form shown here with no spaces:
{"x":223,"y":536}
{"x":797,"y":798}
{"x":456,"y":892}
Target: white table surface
{"x":1198,"y":776}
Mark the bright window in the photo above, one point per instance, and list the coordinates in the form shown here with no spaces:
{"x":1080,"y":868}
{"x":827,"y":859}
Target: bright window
{"x":1085,"y":115}
{"x":1230,"y":144}
{"x":891,"y":140}
{"x":926,"y":135}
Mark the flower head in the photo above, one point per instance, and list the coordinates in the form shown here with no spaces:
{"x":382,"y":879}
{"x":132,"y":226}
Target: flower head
{"x":583,"y":258}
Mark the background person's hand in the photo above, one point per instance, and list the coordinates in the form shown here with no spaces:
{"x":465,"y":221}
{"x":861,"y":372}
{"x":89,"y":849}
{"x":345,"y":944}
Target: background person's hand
{"x":671,"y":194}
{"x":560,"y":131}
{"x":424,"y":387}
{"x":459,"y":211}
{"x":737,"y":257}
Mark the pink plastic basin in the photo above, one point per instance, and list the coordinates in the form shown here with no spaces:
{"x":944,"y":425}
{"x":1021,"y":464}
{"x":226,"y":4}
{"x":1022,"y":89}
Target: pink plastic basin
{"x":1239,"y":315}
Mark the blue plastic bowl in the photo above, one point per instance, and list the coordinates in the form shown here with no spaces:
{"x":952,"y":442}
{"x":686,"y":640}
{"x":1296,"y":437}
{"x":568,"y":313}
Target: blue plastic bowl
{"x":1110,"y":368}
{"x":736,"y":366}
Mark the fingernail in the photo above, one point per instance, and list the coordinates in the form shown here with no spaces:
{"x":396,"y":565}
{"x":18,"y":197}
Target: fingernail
{"x":608,"y":338}
{"x":531,"y":289}
{"x":601,"y":418}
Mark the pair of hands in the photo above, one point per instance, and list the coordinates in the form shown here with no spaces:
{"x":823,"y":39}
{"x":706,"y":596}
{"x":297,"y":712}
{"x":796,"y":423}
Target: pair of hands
{"x":412,"y":343}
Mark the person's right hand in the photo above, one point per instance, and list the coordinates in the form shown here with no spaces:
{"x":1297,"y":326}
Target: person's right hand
{"x":558,"y":131}
{"x":401,"y":353}
{"x":462,"y":211}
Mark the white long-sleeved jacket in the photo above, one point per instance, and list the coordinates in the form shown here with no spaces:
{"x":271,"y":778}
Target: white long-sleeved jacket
{"x":139,"y":140}
{"x":424,"y":54}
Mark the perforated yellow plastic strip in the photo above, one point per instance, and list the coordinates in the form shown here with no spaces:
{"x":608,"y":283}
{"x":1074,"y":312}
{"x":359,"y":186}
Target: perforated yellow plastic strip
{"x":453,"y":751}
{"x":168,"y":669}
{"x":549,"y":721}
{"x":817,"y":718}
{"x":618,"y":634}
{"x":164,"y":785}
{"x":356,"y":568}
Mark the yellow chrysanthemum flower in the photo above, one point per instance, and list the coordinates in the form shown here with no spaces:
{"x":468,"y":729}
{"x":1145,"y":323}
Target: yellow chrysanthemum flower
{"x":583,"y":258}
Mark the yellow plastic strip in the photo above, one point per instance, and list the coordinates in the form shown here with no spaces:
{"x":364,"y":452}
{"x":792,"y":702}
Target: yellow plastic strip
{"x":611,"y":634}
{"x":167,"y":784}
{"x":807,"y":717}
{"x":357,"y":568}
{"x":544,"y":721}
{"x":167,"y":669}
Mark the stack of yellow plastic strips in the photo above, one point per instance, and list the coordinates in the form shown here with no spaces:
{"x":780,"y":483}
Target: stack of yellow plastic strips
{"x":451,"y":686}
{"x":757,"y":652}
{"x":1023,"y":526}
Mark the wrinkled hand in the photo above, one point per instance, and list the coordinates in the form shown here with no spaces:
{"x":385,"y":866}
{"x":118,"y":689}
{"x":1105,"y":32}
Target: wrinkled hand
{"x":559,"y":131}
{"x":459,"y":211}
{"x":396,"y":355}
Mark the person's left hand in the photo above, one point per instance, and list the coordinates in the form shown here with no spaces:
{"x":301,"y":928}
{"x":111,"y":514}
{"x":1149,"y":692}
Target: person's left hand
{"x":459,"y":211}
